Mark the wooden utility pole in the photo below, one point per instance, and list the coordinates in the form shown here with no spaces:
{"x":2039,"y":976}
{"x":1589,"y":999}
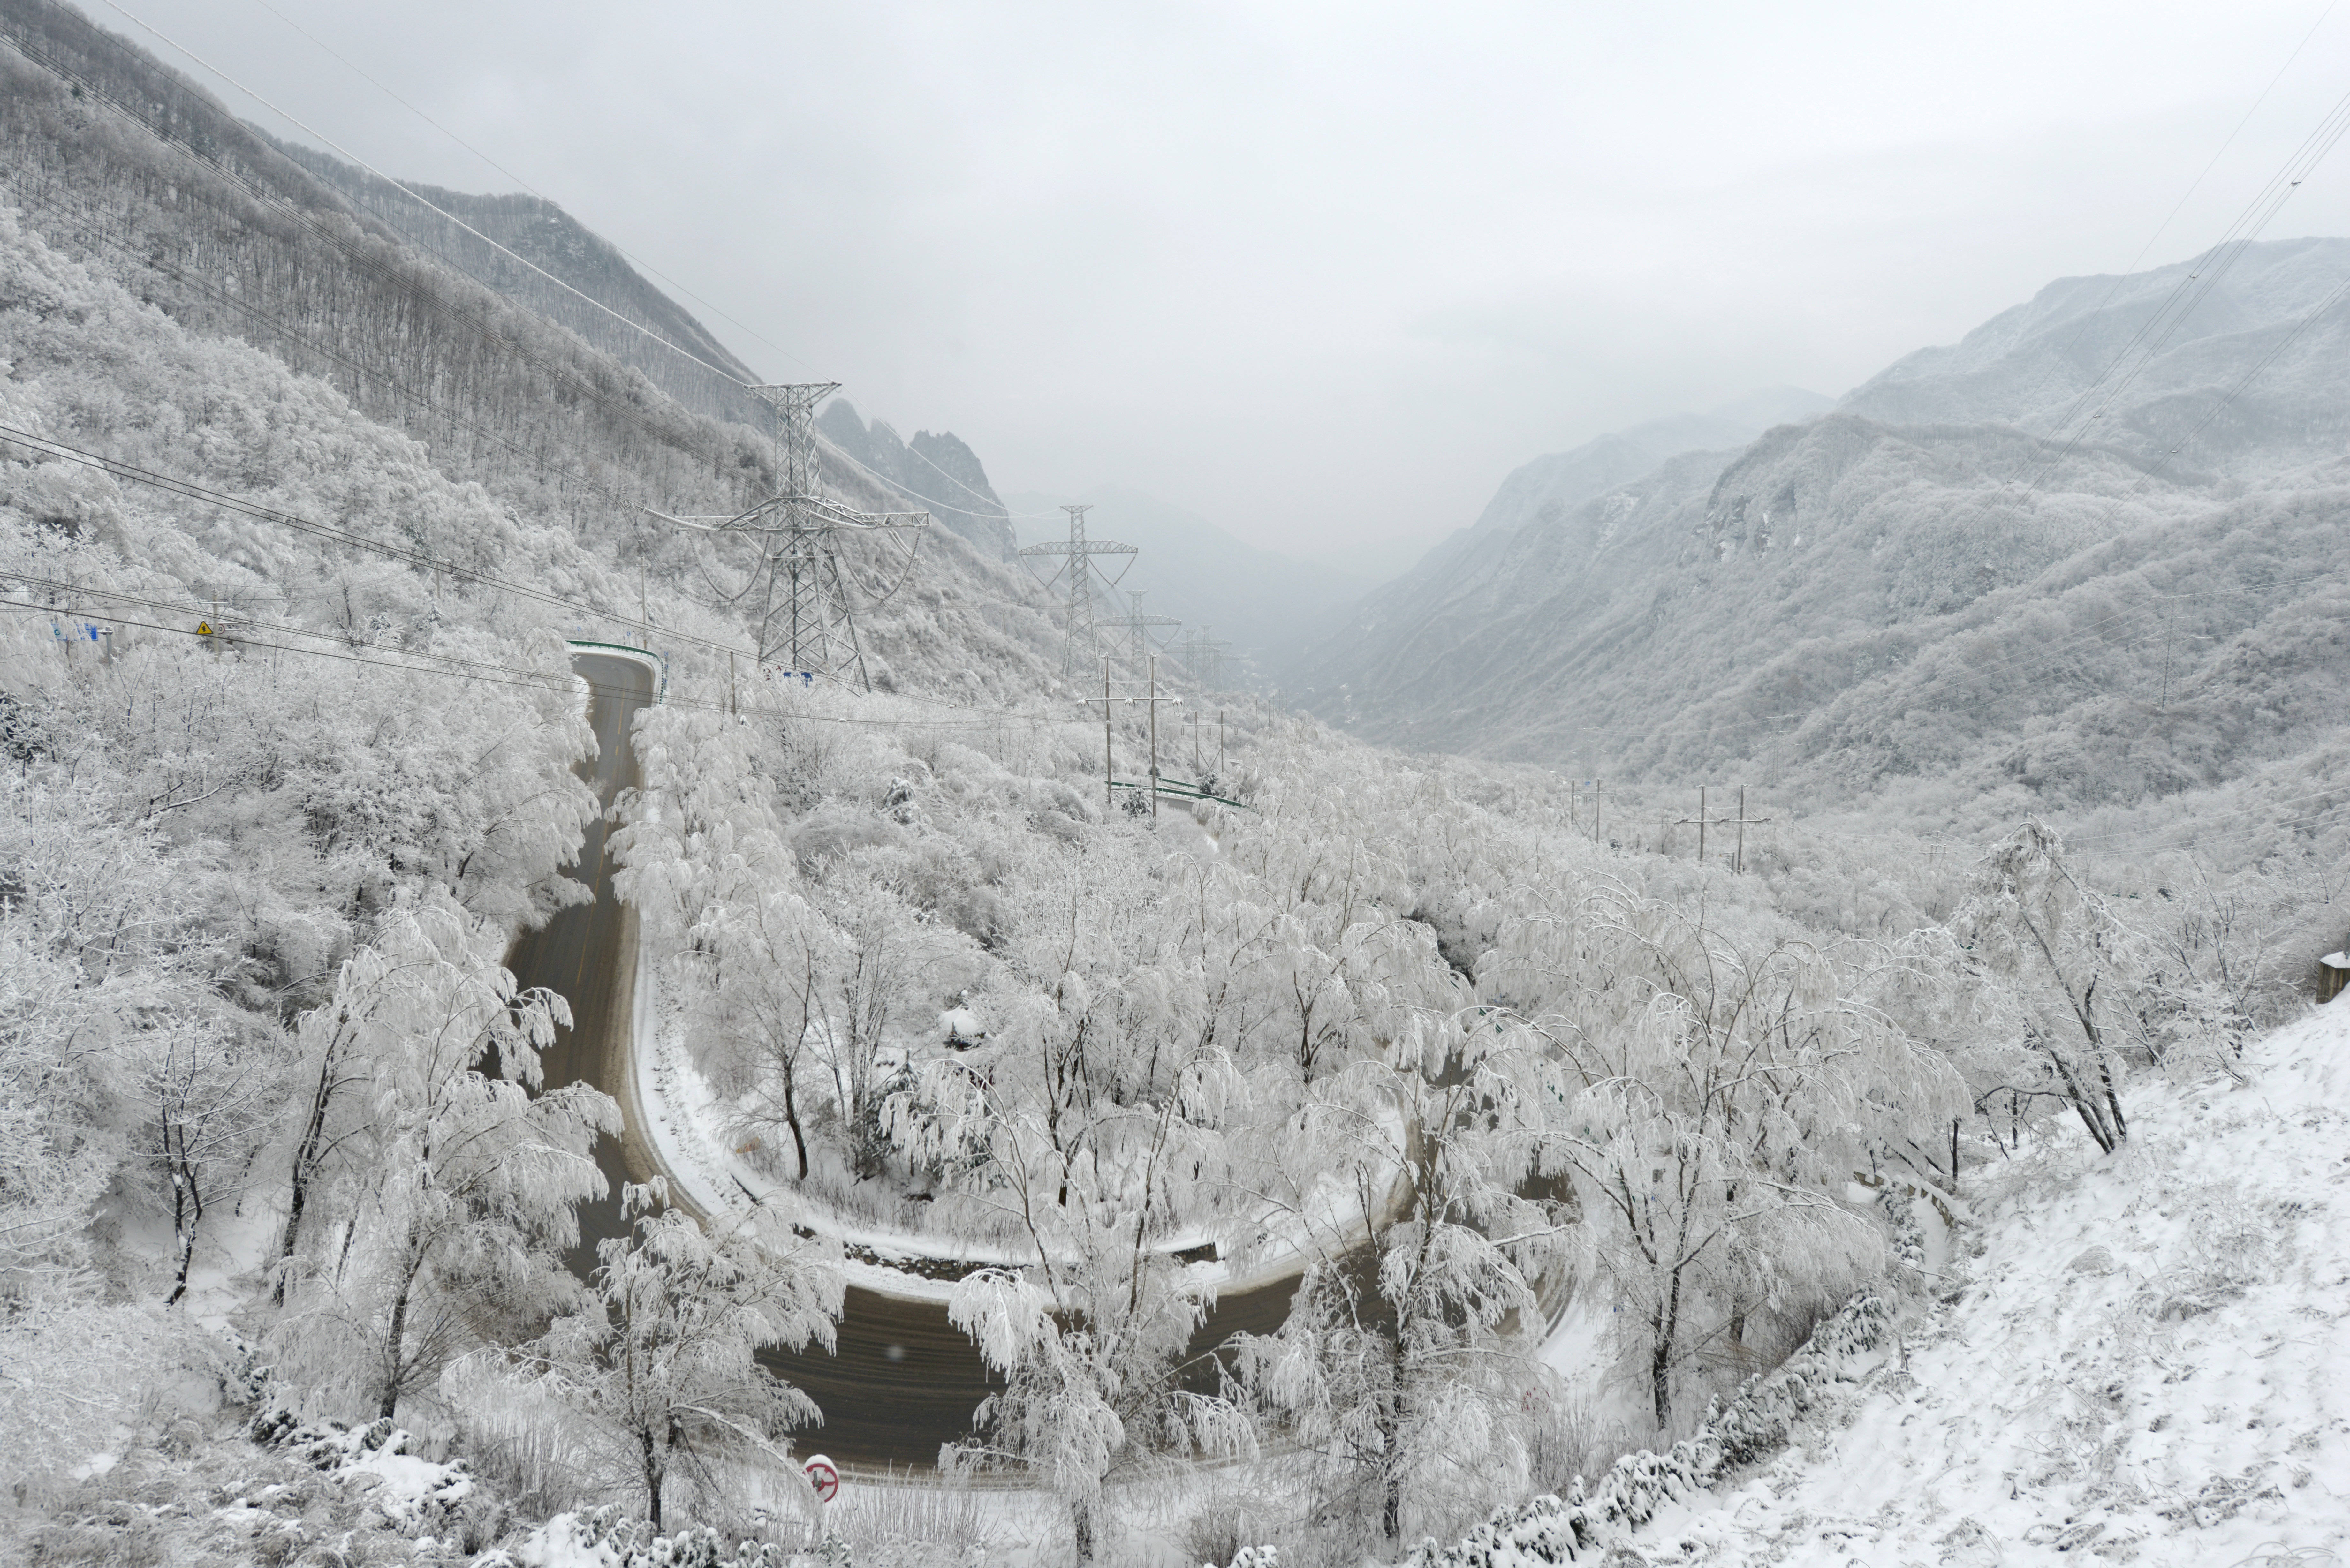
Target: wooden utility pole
{"x":1108,"y":700}
{"x":1740,"y":864}
{"x":1738,"y":860}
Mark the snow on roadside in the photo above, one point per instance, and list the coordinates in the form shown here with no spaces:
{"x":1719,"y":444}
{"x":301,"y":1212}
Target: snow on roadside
{"x":682,"y":1114}
{"x":2146,"y":1359}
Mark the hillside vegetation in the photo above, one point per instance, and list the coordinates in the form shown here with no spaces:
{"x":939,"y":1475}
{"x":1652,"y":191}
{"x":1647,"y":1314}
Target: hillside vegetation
{"x":1564,"y":1134}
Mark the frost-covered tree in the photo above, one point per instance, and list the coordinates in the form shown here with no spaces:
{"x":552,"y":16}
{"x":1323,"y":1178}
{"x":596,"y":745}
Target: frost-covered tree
{"x":1091,"y":1338}
{"x":1721,"y":1094}
{"x":1397,"y":1369}
{"x":211,"y":1094}
{"x":2088,"y":989}
{"x":661,"y":1359}
{"x":447,"y":1191}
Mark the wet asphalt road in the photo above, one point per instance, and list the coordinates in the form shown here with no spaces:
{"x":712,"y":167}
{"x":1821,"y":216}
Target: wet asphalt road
{"x":903,"y":1381}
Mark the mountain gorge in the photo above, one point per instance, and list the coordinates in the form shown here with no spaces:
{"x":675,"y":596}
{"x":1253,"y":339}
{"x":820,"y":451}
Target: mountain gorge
{"x":540,"y":1024}
{"x":1919,"y":593}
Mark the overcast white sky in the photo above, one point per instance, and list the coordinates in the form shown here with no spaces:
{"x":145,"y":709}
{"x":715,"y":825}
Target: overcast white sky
{"x":1325,"y":272}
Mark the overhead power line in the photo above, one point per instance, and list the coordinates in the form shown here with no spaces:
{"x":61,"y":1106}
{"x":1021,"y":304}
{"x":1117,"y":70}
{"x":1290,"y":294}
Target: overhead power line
{"x":2205,"y":274}
{"x":480,"y":671}
{"x":633,"y":259}
{"x":411,"y":196}
{"x":190,"y":491}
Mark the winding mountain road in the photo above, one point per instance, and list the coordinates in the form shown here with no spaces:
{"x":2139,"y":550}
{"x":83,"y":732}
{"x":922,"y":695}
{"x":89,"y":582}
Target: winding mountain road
{"x":903,"y":1381}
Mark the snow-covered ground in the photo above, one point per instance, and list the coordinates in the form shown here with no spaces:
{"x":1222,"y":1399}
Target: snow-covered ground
{"x":2145,"y":1359}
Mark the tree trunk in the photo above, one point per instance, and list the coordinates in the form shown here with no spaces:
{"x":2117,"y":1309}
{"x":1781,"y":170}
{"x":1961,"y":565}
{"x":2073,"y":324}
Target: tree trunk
{"x":306,"y":1157}
{"x":1391,"y":1443}
{"x":1082,"y":1516}
{"x":792,"y":1120}
{"x":187,"y":1214}
{"x":652,"y":1474}
{"x":1660,"y":1356}
{"x":394,"y":1375}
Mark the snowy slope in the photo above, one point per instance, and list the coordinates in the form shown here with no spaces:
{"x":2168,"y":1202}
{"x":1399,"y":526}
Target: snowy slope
{"x":1389,"y":630}
{"x":2146,"y":1359}
{"x":1913,"y":593}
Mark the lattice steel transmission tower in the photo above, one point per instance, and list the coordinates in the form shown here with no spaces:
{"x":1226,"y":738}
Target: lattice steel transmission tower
{"x":1204,"y":656}
{"x":1082,"y":647}
{"x":807,"y":614}
{"x":1138,"y":628}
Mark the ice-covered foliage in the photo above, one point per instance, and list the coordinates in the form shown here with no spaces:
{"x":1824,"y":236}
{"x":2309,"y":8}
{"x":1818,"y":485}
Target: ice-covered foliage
{"x":660,"y":1360}
{"x":1584,"y":1525}
{"x":439,"y":1195}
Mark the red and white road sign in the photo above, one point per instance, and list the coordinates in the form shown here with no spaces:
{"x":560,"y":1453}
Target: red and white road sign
{"x":823,"y":1475}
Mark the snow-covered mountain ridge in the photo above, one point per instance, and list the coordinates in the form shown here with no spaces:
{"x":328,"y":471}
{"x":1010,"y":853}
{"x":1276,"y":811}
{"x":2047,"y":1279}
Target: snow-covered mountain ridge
{"x":1915,"y":588}
{"x":2139,"y":1357}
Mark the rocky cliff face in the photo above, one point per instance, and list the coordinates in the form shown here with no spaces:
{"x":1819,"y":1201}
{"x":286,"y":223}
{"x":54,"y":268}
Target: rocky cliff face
{"x":938,"y":472}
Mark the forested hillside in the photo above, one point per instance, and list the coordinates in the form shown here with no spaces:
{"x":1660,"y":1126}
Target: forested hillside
{"x":1919,"y":599}
{"x":1299,"y":1143}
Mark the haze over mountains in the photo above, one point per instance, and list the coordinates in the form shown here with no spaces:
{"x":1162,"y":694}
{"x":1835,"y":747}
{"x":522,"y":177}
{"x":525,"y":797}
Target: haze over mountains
{"x":1269,"y":607}
{"x":1915,"y":589}
{"x":419,"y":824}
{"x":1770,"y":590}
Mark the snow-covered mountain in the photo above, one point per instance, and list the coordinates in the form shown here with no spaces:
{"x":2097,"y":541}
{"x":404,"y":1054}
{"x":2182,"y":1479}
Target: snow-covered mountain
{"x":1387,"y":630}
{"x":680,"y":356}
{"x":1854,"y":602}
{"x":2186,"y":340}
{"x":589,"y":287}
{"x":938,"y":471}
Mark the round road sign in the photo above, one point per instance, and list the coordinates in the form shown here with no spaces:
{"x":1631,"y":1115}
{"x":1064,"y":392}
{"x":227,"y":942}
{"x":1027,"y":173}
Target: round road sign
{"x":823,"y":1475}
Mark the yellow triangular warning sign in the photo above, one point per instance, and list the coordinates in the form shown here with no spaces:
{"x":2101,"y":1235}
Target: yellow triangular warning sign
{"x":203,"y":628}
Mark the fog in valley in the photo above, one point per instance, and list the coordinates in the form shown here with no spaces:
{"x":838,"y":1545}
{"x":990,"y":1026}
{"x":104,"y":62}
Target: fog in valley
{"x":1275,"y":787}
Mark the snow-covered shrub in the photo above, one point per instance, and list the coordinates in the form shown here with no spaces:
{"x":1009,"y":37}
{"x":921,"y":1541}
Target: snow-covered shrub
{"x":1578,"y":1526}
{"x":612,"y":1538}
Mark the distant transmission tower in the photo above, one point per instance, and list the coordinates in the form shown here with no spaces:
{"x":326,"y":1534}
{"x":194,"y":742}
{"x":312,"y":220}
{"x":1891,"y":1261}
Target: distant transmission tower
{"x":1204,"y":656}
{"x":1138,"y":628}
{"x":806,"y":618}
{"x":1080,"y":650}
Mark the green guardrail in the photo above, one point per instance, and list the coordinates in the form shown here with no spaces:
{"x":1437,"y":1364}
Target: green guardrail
{"x":1173,"y":790}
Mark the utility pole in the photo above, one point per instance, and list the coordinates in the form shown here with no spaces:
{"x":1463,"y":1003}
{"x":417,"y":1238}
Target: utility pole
{"x":805,"y":619}
{"x":1738,"y":863}
{"x":1109,"y":699}
{"x":2169,"y":615}
{"x":1077,"y":553}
